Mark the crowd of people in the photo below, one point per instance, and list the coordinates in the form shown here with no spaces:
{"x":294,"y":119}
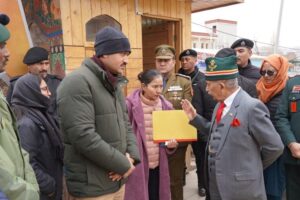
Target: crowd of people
{"x":80,"y":138}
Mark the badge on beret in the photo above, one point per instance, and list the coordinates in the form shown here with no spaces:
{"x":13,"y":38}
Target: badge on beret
{"x":243,"y":43}
{"x":187,"y":52}
{"x":212,"y":65}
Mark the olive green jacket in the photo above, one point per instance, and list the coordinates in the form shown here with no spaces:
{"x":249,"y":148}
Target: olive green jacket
{"x":17,"y":179}
{"x":288,"y":117}
{"x":96,"y":131}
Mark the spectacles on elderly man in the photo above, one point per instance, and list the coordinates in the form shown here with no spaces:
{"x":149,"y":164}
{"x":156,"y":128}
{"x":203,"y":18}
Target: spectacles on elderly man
{"x":268,"y":72}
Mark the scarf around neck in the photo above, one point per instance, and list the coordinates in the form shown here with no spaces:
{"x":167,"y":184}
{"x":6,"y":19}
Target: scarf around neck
{"x":28,"y":100}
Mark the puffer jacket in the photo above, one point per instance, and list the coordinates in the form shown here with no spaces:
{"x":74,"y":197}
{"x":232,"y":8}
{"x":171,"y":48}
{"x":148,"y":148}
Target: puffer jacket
{"x":96,"y":131}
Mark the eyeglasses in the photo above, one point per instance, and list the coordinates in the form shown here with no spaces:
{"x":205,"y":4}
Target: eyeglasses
{"x":268,"y":72}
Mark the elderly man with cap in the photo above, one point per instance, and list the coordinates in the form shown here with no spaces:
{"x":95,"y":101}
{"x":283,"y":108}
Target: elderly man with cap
{"x":204,"y":105}
{"x":17,"y":179}
{"x":100,"y":147}
{"x":241,"y":138}
{"x":37,"y":61}
{"x":243,"y":48}
{"x":176,"y":88}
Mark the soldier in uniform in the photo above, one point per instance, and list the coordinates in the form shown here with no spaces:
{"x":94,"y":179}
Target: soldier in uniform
{"x":188,"y":59}
{"x":288,"y":126}
{"x":176,"y":88}
{"x":4,"y":79}
{"x":37,"y":61}
{"x":243,"y":48}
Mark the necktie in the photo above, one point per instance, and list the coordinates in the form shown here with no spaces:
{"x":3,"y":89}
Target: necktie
{"x":220,"y":111}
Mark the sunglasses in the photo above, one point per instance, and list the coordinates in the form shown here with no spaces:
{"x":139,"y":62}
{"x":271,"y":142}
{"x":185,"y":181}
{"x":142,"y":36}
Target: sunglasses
{"x":268,"y":72}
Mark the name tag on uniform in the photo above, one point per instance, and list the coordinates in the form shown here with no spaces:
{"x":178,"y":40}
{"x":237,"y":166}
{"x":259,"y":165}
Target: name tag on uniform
{"x":296,"y":89}
{"x":175,"y":88}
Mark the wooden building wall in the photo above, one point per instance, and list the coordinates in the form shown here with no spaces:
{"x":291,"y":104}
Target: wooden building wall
{"x":75,"y":14}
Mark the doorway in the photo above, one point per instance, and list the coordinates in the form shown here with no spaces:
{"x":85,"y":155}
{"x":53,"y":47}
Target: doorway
{"x":156,"y":32}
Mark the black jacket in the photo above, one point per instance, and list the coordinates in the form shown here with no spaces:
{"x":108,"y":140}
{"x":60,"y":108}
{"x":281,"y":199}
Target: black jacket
{"x":47,"y":167}
{"x":39,"y":135}
{"x":195,"y":76}
{"x":250,"y":71}
{"x":272,"y":106}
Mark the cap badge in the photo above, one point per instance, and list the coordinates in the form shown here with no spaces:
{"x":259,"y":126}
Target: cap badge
{"x":187,"y":52}
{"x":212,"y":65}
{"x":163,"y":51}
{"x":243,"y":43}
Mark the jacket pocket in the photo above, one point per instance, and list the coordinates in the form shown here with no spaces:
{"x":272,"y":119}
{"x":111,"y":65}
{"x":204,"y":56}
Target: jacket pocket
{"x":245,"y":176}
{"x":294,"y":101}
{"x":99,"y":178}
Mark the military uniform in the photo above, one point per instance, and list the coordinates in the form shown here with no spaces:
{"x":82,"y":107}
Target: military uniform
{"x":177,"y":87}
{"x":249,"y":71}
{"x":288,"y":126}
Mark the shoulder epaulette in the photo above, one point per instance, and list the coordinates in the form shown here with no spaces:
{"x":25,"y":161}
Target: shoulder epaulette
{"x":184,"y":76}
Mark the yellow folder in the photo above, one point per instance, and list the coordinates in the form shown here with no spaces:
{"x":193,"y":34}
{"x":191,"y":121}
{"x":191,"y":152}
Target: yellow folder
{"x":172,"y":124}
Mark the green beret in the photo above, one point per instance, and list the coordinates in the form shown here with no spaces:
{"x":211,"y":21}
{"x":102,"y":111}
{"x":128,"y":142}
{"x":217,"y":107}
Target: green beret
{"x":221,"y":68}
{"x":4,"y":33}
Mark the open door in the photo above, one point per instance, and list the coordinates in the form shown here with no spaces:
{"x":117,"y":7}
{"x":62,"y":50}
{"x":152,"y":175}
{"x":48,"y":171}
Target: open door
{"x":156,"y":32}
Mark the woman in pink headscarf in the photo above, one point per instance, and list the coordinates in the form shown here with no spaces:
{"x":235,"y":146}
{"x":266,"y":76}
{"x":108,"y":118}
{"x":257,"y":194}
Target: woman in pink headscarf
{"x":269,"y":87}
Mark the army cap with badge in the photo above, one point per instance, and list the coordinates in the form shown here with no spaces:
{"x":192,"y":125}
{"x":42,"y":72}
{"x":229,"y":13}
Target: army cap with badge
{"x":221,"y":68}
{"x":243,"y":42}
{"x":188,"y":52}
{"x":164,"y":52}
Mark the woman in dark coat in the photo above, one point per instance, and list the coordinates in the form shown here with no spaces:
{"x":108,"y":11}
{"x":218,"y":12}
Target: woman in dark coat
{"x":274,"y":70}
{"x":39,"y":134}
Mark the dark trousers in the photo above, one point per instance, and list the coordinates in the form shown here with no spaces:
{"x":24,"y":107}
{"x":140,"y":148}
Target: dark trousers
{"x":153,"y":184}
{"x":176,"y":169}
{"x":292,"y":182}
{"x":199,"y":152}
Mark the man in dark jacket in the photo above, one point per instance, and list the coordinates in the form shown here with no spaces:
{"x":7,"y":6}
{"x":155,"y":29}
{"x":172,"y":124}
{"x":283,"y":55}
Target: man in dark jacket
{"x":288,"y":126}
{"x":188,"y":59}
{"x":37,"y":61}
{"x":100,"y":147}
{"x":243,"y":48}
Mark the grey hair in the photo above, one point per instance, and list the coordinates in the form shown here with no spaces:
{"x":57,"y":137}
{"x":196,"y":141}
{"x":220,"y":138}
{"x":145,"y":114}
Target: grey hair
{"x":231,"y":83}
